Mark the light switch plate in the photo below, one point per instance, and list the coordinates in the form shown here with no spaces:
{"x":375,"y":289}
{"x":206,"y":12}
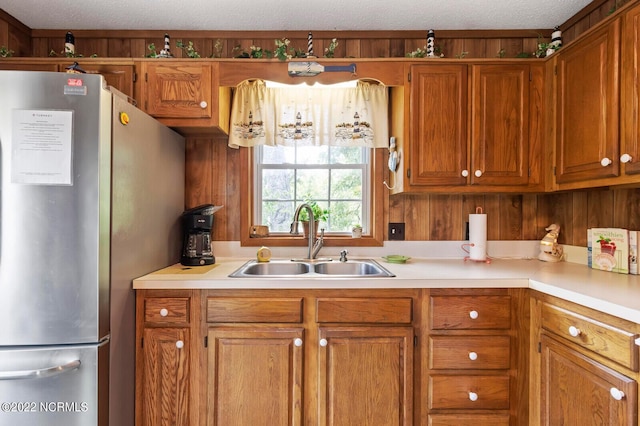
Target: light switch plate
{"x":396,"y":231}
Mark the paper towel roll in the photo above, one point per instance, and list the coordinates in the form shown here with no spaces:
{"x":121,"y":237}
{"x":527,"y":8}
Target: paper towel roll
{"x":478,"y":236}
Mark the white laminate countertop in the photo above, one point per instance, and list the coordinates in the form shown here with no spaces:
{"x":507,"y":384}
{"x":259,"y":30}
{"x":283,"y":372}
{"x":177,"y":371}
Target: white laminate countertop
{"x":608,"y":292}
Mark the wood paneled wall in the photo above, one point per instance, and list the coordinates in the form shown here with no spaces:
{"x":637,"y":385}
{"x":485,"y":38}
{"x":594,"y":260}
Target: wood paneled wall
{"x":213,"y":176}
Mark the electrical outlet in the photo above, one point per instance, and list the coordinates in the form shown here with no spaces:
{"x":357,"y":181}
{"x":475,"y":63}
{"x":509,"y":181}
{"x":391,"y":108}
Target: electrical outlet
{"x":396,"y":231}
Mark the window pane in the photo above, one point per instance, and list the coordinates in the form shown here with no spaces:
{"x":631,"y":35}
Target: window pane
{"x":312,"y":184}
{"x":277,"y":184}
{"x":346,"y":184}
{"x":312,"y":155}
{"x":277,"y":215}
{"x":278,"y":154}
{"x":346,"y":155}
{"x":345,"y":214}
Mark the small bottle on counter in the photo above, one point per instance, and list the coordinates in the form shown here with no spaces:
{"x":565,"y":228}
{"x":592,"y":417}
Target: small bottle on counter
{"x":69,"y":44}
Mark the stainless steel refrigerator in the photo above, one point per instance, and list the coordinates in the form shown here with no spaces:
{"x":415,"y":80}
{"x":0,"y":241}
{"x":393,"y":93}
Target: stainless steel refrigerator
{"x":91,"y":191}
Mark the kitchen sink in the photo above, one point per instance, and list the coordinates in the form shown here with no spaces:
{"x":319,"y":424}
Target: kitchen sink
{"x":311,"y":269}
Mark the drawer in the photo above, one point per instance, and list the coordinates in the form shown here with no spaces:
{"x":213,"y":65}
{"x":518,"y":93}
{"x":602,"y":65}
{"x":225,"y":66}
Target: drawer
{"x":469,"y":352}
{"x":607,"y":340}
{"x":166,"y":309}
{"x":468,"y":420}
{"x":385,"y":310}
{"x":255,"y":309}
{"x":469,"y":392}
{"x":470,"y":312}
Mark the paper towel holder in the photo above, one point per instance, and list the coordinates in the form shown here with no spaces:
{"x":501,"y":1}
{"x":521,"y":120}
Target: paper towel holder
{"x":484,"y":257}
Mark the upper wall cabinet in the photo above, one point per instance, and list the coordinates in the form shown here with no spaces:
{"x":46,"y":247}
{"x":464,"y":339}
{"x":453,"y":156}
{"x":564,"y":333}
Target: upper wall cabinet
{"x":185,"y":95}
{"x":587,"y":108}
{"x":472,"y":128}
{"x":630,"y":96}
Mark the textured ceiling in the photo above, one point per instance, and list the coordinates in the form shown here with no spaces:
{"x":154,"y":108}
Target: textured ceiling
{"x":289,"y":15}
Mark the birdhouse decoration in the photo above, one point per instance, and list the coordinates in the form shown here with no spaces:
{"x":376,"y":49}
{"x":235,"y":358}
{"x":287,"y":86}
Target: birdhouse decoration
{"x":550,"y":250}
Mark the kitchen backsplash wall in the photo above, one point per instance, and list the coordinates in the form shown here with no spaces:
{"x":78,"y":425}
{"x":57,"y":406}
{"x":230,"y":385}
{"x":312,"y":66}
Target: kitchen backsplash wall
{"x":213,"y":176}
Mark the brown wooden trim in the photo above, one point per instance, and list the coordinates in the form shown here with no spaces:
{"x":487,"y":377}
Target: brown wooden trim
{"x":4,"y":16}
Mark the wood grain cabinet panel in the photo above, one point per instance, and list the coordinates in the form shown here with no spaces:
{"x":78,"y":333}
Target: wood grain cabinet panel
{"x":365,"y":310}
{"x":607,"y":340}
{"x":469,"y":420}
{"x":577,"y":390}
{"x":166,"y":310}
{"x":469,"y":352}
{"x":254,"y":309}
{"x":469,"y":392}
{"x":470,"y":312}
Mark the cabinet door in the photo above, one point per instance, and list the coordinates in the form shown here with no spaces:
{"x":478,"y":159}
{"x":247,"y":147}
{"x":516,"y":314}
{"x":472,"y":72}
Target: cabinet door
{"x":438,"y":147}
{"x":630,"y":101}
{"x":500,"y":125}
{"x":26,"y":66}
{"x":365,"y":376}
{"x":587,"y":107}
{"x":178,"y":90}
{"x":577,"y":390}
{"x":255,"y":376}
{"x":165,"y":395}
{"x":118,"y":76}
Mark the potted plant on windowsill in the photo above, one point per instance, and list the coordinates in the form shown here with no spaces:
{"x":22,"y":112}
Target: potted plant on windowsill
{"x":319,"y":215}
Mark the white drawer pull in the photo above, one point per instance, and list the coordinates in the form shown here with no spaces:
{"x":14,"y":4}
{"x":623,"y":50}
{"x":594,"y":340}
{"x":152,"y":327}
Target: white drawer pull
{"x":574,"y":331}
{"x":179,"y":344}
{"x":473,"y":314}
{"x":478,"y":173}
{"x":473,"y":356}
{"x":323,"y":342}
{"x":297,"y":341}
{"x":638,"y":341}
{"x":203,"y":104}
{"x":605,"y":162}
{"x":164,"y":312}
{"x":616,"y":394}
{"x":473,"y":396}
{"x":625,"y":158}
{"x":465,"y":173}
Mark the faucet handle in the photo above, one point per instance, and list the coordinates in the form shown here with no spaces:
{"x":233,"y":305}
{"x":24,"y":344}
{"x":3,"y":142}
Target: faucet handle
{"x":343,"y":256}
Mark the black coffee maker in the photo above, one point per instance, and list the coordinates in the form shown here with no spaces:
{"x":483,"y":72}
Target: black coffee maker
{"x":196,"y":244}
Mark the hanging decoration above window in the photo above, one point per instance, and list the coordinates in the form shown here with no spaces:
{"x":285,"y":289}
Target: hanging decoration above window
{"x":309,"y":115}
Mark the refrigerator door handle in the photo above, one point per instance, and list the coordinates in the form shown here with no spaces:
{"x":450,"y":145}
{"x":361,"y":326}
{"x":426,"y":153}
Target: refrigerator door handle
{"x":40,"y":373}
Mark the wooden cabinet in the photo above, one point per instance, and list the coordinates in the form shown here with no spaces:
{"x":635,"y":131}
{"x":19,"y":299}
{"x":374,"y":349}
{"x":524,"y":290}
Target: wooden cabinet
{"x":255,"y":360}
{"x":185,"y":95}
{"x":309,"y":358}
{"x":588,"y":366}
{"x":587,"y":108}
{"x":476,"y":126}
{"x":165,"y":392}
{"x":365,"y":361}
{"x":470,"y":372}
{"x":630,"y":94}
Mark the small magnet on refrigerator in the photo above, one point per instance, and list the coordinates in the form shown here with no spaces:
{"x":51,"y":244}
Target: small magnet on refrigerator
{"x":124,"y":118}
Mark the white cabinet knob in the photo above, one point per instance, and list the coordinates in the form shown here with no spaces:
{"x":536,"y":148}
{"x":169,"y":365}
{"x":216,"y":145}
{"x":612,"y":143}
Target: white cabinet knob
{"x":638,"y":341}
{"x":473,"y":396}
{"x":473,"y":356}
{"x":465,"y":173}
{"x":179,"y":344}
{"x":473,"y":314}
{"x":616,"y":394}
{"x":323,"y":342}
{"x":605,"y":162}
{"x":164,"y":312}
{"x":203,"y":104}
{"x":478,"y":173}
{"x":297,"y":341}
{"x":574,"y":331}
{"x":625,"y":158}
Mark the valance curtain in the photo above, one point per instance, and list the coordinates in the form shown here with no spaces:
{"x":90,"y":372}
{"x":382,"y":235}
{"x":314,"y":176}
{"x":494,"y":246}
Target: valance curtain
{"x":309,"y":115}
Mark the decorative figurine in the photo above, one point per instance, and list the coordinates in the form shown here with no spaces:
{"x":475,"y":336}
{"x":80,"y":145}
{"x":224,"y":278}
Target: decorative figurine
{"x":166,"y":52}
{"x":550,"y":250}
{"x":431,"y":44}
{"x":310,"y":46}
{"x":69,"y":45}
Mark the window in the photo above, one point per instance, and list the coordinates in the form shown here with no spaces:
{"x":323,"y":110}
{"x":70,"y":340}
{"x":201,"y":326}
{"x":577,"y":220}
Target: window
{"x":337,"y":178}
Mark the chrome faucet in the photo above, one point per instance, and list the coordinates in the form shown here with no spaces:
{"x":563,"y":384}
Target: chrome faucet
{"x":314,"y":244}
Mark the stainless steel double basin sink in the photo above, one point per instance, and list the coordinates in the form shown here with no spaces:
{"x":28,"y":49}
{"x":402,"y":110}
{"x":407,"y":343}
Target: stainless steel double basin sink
{"x":368,"y":268}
